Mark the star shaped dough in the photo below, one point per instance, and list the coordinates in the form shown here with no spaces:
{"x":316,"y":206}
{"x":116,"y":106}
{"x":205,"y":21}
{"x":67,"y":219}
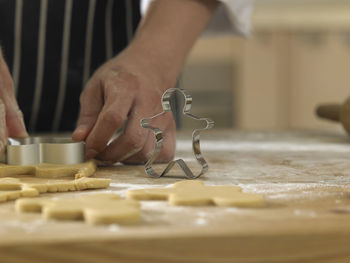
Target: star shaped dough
{"x":14,"y":188}
{"x":195,"y":193}
{"x":93,"y":209}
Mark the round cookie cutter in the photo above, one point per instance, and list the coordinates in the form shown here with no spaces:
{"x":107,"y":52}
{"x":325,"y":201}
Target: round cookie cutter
{"x":35,"y":150}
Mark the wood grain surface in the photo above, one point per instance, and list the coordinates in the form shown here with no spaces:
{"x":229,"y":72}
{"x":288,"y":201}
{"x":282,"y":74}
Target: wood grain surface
{"x":304,"y":176}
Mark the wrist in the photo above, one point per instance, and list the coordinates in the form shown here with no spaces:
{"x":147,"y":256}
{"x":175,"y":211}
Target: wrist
{"x":149,"y":66}
{"x":166,"y":34}
{"x":159,"y":60}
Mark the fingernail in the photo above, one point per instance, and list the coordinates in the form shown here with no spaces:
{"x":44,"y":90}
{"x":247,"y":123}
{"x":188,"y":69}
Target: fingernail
{"x":80,"y":128}
{"x":20,"y":117}
{"x":78,"y":134}
{"x":90,"y":154}
{"x":23,"y":134}
{"x":79,"y":131}
{"x":22,"y":122}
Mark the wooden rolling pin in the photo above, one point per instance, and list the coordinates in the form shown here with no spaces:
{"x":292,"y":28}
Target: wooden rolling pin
{"x":336,"y":112}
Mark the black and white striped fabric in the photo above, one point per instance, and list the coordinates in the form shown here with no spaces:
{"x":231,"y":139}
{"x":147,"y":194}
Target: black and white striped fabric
{"x":53,"y":46}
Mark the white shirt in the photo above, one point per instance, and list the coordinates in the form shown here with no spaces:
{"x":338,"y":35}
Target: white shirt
{"x":232,"y":16}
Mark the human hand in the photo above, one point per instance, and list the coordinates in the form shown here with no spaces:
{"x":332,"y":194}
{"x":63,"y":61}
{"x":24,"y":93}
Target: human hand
{"x":11,"y":117}
{"x":129,"y":87}
{"x":125,"y":89}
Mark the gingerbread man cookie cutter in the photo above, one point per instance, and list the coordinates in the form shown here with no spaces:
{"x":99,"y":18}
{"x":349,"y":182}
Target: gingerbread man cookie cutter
{"x":158,"y":135}
{"x":35,"y":150}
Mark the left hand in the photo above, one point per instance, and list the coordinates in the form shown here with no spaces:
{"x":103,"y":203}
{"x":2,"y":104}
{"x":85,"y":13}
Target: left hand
{"x":122,"y":92}
{"x":11,"y":117}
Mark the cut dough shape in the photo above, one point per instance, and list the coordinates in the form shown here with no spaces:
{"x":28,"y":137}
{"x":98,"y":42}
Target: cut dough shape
{"x":50,"y":170}
{"x":14,"y":188}
{"x":9,"y":195}
{"x":194,"y":193}
{"x":94,"y":209}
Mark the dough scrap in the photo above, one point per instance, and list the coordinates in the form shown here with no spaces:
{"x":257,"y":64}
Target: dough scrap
{"x":50,"y":170}
{"x":195,"y":193}
{"x":14,"y":188}
{"x":93,"y":209}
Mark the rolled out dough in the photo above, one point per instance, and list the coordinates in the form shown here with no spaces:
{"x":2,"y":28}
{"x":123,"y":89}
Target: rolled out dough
{"x":194,"y":193}
{"x":50,"y":170}
{"x":94,"y":209}
{"x":14,"y":188}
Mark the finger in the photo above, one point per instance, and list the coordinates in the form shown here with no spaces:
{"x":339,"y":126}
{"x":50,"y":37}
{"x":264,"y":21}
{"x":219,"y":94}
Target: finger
{"x":144,"y":154}
{"x":166,"y":153}
{"x":3,"y":130}
{"x":15,"y":124}
{"x":119,"y":94}
{"x":14,"y":117}
{"x":91,"y":102}
{"x":127,"y":144}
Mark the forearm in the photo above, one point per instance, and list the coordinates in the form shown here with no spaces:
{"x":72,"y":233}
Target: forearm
{"x":168,"y":31}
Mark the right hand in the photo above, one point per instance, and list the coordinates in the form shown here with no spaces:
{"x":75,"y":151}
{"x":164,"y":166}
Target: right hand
{"x":11,"y":117}
{"x":121,"y":92}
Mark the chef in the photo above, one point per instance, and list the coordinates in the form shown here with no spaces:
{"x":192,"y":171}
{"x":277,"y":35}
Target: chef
{"x":119,"y":64}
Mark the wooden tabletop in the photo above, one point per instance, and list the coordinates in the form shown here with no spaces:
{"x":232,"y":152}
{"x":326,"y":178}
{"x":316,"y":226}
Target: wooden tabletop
{"x":305,"y":177}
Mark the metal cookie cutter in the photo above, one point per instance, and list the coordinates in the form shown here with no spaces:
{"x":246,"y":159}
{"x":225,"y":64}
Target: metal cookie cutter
{"x":158,"y":134}
{"x":35,"y":150}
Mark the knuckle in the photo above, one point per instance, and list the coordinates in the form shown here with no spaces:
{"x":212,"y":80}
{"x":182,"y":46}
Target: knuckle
{"x":86,"y":117}
{"x":90,"y":91}
{"x":95,"y":144}
{"x":112,"y":117}
{"x":135,"y":142}
{"x":127,"y":79}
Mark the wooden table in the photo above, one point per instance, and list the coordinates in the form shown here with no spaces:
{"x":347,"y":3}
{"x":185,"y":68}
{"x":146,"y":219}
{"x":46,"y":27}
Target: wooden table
{"x":305,"y":177}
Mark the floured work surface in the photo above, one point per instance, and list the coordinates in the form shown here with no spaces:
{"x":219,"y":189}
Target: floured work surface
{"x":305,"y":178}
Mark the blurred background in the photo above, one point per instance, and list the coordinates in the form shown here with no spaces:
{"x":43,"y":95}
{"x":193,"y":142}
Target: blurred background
{"x":297,"y":57}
